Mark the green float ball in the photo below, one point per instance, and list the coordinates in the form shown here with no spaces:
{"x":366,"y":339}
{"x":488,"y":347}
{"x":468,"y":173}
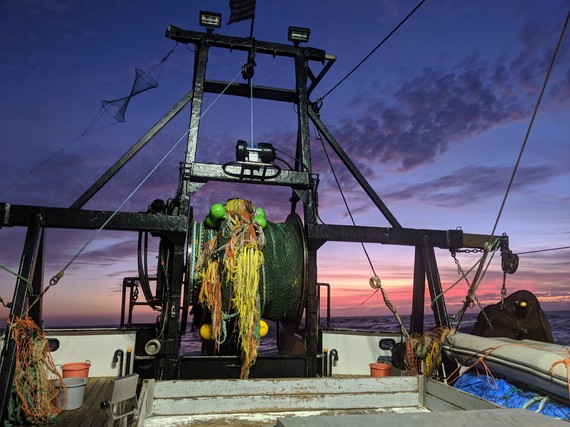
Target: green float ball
{"x":217,"y":211}
{"x":261,"y":221}
{"x":259,"y":212}
{"x":209,"y":222}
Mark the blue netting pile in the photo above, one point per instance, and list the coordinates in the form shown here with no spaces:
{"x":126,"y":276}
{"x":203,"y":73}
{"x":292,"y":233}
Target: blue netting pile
{"x":503,"y":393}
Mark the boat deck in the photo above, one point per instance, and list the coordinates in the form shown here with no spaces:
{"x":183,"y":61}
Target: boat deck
{"x":90,"y":412}
{"x":301,"y":403}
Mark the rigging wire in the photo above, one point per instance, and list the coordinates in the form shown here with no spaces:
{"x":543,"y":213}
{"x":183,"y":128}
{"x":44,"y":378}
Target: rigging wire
{"x":462,"y":276}
{"x":161,"y":63}
{"x":248,"y":71}
{"x":86,"y":131}
{"x":55,"y":279}
{"x":534,"y":113}
{"x":292,"y":158}
{"x":57,"y":153}
{"x":251,"y":109}
{"x":320,"y":139}
{"x":346,"y":205}
{"x":471,"y":296}
{"x":374,"y":281}
{"x":374,"y":50}
{"x":479,"y":277}
{"x":13,"y":273}
{"x":544,"y":250}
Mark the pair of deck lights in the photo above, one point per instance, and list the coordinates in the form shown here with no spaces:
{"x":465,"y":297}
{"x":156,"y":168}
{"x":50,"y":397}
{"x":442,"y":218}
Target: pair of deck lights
{"x":212,"y":20}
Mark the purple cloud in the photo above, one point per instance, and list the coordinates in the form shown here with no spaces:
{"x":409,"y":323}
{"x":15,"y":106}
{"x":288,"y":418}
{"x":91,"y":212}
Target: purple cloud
{"x":477,"y":181}
{"x":430,"y":111}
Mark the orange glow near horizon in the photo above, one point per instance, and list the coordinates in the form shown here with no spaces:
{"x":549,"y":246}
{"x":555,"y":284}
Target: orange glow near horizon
{"x":96,"y":300}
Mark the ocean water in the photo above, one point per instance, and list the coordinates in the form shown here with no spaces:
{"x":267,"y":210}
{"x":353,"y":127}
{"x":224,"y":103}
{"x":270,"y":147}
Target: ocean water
{"x":559,"y":321}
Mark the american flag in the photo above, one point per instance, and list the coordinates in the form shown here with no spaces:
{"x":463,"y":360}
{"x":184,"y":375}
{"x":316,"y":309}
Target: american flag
{"x":241,"y":9}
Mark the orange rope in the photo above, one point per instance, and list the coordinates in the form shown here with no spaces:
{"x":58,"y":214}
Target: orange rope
{"x":35,"y":373}
{"x":566,"y":363}
{"x":483,"y":355}
{"x":481,"y":360}
{"x":410,"y":360}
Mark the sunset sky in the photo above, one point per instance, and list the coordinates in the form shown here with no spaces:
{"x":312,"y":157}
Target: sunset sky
{"x":434,"y":119}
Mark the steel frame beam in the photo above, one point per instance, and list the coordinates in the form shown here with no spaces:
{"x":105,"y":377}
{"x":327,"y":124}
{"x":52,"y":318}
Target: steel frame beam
{"x":125,"y":158}
{"x":20,"y":302}
{"x":21,"y":215}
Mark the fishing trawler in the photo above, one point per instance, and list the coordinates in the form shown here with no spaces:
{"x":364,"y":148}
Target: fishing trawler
{"x":229,"y":273}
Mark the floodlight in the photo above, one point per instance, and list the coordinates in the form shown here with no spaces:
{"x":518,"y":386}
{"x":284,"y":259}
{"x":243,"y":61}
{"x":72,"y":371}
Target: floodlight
{"x":299,"y":35}
{"x":210,"y":20}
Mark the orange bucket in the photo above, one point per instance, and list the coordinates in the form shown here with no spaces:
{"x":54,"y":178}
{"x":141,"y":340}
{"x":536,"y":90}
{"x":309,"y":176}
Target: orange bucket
{"x":76,"y":370}
{"x":380,"y":369}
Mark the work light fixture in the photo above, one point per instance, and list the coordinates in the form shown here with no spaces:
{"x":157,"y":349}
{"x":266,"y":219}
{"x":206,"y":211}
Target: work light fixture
{"x":299,"y":35}
{"x":210,"y":20}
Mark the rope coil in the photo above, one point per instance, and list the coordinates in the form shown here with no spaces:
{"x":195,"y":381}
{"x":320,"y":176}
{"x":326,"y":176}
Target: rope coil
{"x":36,"y":397}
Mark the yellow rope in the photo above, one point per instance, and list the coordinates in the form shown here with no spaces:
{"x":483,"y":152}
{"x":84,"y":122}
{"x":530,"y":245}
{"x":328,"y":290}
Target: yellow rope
{"x":246,"y":302}
{"x":427,"y":348}
{"x":210,"y":294}
{"x":242,"y":262}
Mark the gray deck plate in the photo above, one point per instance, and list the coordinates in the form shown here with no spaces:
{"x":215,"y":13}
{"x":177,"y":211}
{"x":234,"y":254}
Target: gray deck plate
{"x":487,"y":418}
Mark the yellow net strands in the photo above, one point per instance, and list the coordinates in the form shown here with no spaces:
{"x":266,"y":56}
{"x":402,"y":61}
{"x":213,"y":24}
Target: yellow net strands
{"x":37,"y":398}
{"x":424,"y":351}
{"x":211,"y":291}
{"x":242,"y":260}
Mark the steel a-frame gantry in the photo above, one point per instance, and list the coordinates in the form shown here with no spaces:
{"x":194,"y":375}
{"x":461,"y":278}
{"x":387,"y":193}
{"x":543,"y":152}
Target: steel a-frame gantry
{"x":301,"y":180}
{"x":173,"y":222}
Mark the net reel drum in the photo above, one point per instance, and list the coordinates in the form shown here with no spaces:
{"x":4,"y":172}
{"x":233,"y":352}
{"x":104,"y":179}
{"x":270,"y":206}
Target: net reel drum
{"x":283,"y":275}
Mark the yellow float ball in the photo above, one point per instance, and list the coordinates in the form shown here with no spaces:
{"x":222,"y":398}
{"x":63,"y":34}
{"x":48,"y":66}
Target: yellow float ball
{"x":263,"y":328}
{"x":206,"y":332}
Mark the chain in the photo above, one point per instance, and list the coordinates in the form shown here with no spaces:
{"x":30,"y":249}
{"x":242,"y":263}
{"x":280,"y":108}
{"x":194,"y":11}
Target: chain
{"x":462,"y":273}
{"x":474,"y":297}
{"x":469,"y":251}
{"x":487,"y":320}
{"x":504,"y":289}
{"x":136,"y":293}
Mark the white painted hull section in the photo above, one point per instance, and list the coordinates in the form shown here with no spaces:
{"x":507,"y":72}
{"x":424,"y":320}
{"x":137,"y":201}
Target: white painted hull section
{"x":356,"y":350}
{"x":97,"y":346}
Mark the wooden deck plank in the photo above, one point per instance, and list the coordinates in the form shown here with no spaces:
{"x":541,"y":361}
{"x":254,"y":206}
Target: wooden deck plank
{"x":90,"y":412}
{"x":95,"y":416}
